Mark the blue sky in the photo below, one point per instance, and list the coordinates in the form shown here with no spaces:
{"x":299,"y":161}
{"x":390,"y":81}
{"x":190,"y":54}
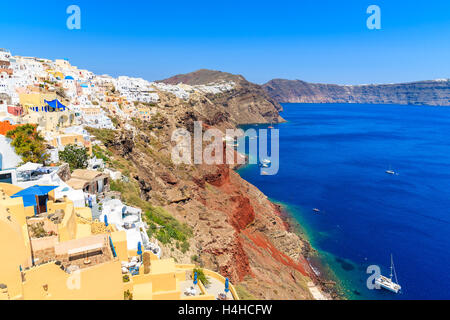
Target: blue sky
{"x":317,"y":41}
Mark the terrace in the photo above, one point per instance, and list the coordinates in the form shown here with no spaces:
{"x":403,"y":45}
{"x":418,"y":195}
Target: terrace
{"x":129,"y":219}
{"x":214,"y":288}
{"x":84,"y":253}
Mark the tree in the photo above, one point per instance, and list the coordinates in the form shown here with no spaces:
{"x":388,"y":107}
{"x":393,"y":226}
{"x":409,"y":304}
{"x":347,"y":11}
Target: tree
{"x":75,"y":156}
{"x":28,"y":143}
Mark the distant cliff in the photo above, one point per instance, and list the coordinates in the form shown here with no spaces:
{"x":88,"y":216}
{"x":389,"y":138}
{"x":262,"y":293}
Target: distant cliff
{"x":433,"y":92}
{"x":245,"y":103}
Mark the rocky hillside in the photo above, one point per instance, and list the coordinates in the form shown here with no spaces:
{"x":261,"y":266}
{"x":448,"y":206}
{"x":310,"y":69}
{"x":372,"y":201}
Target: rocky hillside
{"x":245,"y":103}
{"x":203,"y":76}
{"x":230,"y":226}
{"x":436,"y":92}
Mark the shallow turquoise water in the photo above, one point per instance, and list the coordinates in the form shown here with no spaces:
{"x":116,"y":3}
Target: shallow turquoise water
{"x":334,"y":157}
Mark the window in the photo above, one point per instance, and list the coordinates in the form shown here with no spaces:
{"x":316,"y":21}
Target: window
{"x":5,"y":177}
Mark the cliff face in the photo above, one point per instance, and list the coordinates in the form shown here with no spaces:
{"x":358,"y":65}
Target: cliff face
{"x":237,"y":231}
{"x":245,"y":103}
{"x":436,"y":92}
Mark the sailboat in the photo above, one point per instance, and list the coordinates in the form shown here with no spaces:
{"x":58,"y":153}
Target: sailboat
{"x":390,"y":171}
{"x":388,"y":283}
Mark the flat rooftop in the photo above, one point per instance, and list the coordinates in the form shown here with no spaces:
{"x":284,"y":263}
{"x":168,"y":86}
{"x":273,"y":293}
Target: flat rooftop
{"x":163,"y":266}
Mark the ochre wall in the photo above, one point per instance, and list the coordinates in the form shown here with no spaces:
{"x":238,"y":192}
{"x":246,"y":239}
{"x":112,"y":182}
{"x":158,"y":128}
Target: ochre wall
{"x":67,"y":230}
{"x":119,"y":239}
{"x":35,"y":99}
{"x":13,"y":254}
{"x":9,"y":189}
{"x":101,"y":282}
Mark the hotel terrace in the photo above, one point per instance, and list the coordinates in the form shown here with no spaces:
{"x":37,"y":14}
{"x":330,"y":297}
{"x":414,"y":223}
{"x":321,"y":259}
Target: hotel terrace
{"x":51,"y":250}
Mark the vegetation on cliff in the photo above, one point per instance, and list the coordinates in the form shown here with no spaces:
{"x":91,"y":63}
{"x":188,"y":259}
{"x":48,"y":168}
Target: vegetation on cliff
{"x":75,"y":156}
{"x":28,"y":143}
{"x":163,"y":226}
{"x":203,"y":213}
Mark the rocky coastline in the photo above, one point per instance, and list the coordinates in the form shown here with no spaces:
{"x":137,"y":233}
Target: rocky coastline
{"x":431,"y":92}
{"x":234,"y":228}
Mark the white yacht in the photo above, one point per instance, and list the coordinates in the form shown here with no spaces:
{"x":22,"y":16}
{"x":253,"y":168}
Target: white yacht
{"x":388,"y":283}
{"x":390,"y":171}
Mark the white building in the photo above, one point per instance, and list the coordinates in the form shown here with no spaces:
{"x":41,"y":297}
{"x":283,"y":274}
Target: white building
{"x":129,"y":219}
{"x":5,"y":55}
{"x":8,"y":157}
{"x":136,"y":89}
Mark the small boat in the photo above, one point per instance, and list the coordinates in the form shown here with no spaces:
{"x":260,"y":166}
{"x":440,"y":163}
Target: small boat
{"x":387,"y":283}
{"x":264,"y":165}
{"x":271,"y":126}
{"x":316,"y":210}
{"x":266,"y":161}
{"x":264,"y":173}
{"x":390,"y":171}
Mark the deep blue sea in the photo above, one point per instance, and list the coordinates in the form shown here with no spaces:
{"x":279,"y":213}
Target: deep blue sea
{"x":334,"y":157}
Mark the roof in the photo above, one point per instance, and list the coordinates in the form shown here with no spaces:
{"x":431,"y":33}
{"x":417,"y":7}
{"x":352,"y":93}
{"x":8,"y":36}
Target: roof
{"x":29,"y":195}
{"x":29,"y":166}
{"x":81,"y":245}
{"x":163,"y":266}
{"x":76,"y":183}
{"x":69,"y":78}
{"x":55,"y":104}
{"x":86,"y":174}
{"x":6,"y":126}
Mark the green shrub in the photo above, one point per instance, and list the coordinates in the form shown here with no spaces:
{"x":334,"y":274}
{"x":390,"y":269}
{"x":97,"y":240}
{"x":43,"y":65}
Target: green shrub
{"x":201,"y":276}
{"x":99,"y":153}
{"x":28,"y":143}
{"x":184,"y":246}
{"x":106,"y":136}
{"x":127,"y":295}
{"x":243,"y":293}
{"x":75,"y":156}
{"x":171,"y":228}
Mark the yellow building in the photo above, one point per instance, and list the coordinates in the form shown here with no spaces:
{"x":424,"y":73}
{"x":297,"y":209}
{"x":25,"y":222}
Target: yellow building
{"x":92,"y":111}
{"x":55,"y":74}
{"x":50,"y":121}
{"x":62,"y":254}
{"x":62,"y":140}
{"x":144,"y":113}
{"x":35,"y":99}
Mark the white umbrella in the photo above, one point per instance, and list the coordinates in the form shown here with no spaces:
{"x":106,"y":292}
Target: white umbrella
{"x":29,"y":166}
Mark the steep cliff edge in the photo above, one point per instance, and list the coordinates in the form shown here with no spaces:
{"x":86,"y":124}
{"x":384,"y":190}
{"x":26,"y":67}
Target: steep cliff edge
{"x":236,"y":229}
{"x":245,"y":103}
{"x":435,"y":92}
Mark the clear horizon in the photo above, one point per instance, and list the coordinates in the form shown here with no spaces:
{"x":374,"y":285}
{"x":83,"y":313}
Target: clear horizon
{"x":320,"y":42}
